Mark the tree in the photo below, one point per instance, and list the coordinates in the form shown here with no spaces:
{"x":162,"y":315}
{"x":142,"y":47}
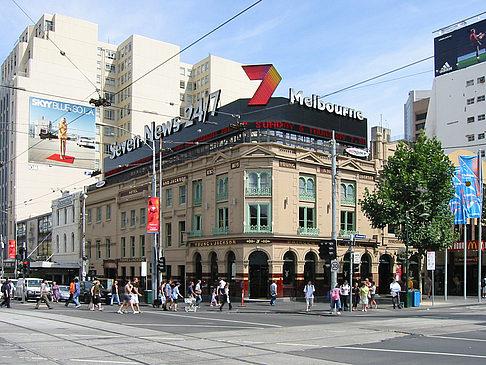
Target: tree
{"x":413,"y":191}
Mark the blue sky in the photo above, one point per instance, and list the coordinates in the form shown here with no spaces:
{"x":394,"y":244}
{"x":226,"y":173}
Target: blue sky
{"x":316,"y":46}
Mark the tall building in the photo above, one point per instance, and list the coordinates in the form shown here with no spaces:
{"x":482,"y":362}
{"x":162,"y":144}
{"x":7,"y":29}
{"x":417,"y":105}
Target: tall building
{"x":457,"y":110}
{"x":57,"y":66}
{"x":415,"y":113}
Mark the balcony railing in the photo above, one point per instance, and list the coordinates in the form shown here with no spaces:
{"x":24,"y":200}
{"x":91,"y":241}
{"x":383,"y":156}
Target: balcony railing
{"x":348,"y":201}
{"x":220,"y":230}
{"x":308,"y":231}
{"x":197,"y":201}
{"x":195,"y":233}
{"x":347,"y":234}
{"x":307,"y":196}
{"x":258,"y":229}
{"x":223,"y":195}
{"x":265,"y":191}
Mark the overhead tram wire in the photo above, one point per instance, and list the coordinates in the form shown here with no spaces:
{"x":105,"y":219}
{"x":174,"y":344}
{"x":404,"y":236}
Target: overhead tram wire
{"x":59,"y":49}
{"x":191,"y":44}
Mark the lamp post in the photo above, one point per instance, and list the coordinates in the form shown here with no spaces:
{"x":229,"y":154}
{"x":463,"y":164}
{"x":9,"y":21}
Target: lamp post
{"x":154,"y":194}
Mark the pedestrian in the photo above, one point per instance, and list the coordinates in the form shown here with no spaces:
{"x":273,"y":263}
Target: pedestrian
{"x":161,"y":295}
{"x":96,"y":295}
{"x":309,"y":295}
{"x":222,"y":285}
{"x":428,"y":286}
{"x":7,"y":293}
{"x":395,"y":290}
{"x":336,"y":299}
{"x":214,"y":298}
{"x":44,"y":295}
{"x":71,"y":293}
{"x":226,"y":298}
{"x":175,"y":296}
{"x":484,"y":288}
{"x":364,"y":293}
{"x":127,"y":299}
{"x":168,"y":296}
{"x":373,"y":295}
{"x":190,"y":290}
{"x":115,"y":293}
{"x":56,"y":292}
{"x":355,"y":294}
{"x":198,"y":292}
{"x":273,"y":292}
{"x":345,"y":288}
{"x":135,"y":295}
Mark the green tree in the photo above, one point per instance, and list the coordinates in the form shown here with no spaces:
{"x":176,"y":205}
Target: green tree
{"x":413,"y":191}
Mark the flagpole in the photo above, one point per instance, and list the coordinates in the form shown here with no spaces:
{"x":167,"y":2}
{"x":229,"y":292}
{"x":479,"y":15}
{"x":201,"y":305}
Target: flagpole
{"x":480,"y":240}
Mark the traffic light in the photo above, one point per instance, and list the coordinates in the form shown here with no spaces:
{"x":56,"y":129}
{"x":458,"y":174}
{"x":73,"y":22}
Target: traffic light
{"x":26,"y":266}
{"x":323,"y":250}
{"x":332,"y":249}
{"x":328,"y":249}
{"x":161,"y":264}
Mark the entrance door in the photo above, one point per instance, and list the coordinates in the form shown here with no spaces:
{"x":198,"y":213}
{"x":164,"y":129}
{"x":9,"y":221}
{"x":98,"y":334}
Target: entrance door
{"x":385,"y":274}
{"x":258,"y":275}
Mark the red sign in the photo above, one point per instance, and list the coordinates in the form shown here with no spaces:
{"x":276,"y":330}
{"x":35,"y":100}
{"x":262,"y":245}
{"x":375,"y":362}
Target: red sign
{"x":153,"y":215}
{"x":270,"y":80}
{"x":12,"y":249}
{"x":471,"y":246}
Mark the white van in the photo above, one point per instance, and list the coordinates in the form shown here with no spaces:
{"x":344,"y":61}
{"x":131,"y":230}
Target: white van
{"x":28,"y":288}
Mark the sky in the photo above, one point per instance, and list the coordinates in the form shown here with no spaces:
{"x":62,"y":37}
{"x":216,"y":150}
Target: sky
{"x":316,"y":46}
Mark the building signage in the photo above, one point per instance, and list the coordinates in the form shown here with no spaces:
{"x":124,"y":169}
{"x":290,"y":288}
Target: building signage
{"x":270,"y":80}
{"x":315,"y":102}
{"x":133,"y":259}
{"x":471,"y":246}
{"x":430,"y":260}
{"x":133,"y":191}
{"x":64,"y":202}
{"x":357,"y":152}
{"x":210,"y":171}
{"x":287,"y":164}
{"x":175,"y":180}
{"x":12,"y":248}
{"x":154,"y":132}
{"x":235,"y":165}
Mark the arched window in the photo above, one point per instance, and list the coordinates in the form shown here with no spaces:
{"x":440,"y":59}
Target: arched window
{"x":348,"y":193}
{"x":310,"y":267}
{"x":214,"y":268}
{"x":259,"y":183}
{"x":253,"y":180}
{"x":58,"y":246}
{"x":72,"y":241}
{"x":231,"y":266}
{"x":289,"y":268}
{"x":65,"y":242}
{"x":198,"y":266}
{"x":307,"y":190}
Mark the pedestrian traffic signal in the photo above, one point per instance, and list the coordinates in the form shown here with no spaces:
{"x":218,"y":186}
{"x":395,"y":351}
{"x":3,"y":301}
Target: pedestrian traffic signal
{"x":323,"y":250}
{"x":328,"y":249}
{"x":332,"y":249}
{"x":161,"y":264}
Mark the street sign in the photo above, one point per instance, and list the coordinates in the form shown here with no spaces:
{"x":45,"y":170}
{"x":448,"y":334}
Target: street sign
{"x":430,"y":260}
{"x":143,"y":268}
{"x":359,"y":236}
{"x":334,"y":265}
{"x":356,"y":257}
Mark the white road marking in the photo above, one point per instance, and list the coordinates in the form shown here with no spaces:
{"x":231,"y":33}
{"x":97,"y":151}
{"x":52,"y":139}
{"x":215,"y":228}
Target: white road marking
{"x":298,"y":344}
{"x":457,"y":338}
{"x":411,"y":352}
{"x":220,"y":320}
{"x":104,"y":361}
{"x":185,"y":325}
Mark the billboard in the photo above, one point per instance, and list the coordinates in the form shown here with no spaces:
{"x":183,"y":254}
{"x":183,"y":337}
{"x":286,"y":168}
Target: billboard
{"x":12,"y":249}
{"x":62,"y":134}
{"x":153,"y":215}
{"x":460,"y":48}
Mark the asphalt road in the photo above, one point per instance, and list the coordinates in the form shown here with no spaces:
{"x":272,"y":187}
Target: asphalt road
{"x":252,"y":334}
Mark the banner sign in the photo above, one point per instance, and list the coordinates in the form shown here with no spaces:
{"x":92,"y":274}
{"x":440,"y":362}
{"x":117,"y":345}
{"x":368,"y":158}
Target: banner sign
{"x":457,"y":202}
{"x":473,"y":192}
{"x":153,"y":215}
{"x":471,"y":246}
{"x":12,"y":249}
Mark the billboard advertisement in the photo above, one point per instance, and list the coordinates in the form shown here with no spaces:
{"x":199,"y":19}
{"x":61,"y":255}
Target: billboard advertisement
{"x":12,"y":249}
{"x":62,"y":134}
{"x":460,"y":48}
{"x":153,"y":215}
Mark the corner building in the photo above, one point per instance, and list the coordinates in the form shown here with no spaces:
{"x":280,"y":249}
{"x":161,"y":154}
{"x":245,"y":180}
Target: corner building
{"x":247,"y":199}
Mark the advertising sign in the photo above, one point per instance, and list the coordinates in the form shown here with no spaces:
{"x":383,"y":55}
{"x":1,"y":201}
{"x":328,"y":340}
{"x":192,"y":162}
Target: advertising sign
{"x":11,"y":249}
{"x":61,"y":134}
{"x":430,"y":260}
{"x":153,"y":215}
{"x":460,"y":48}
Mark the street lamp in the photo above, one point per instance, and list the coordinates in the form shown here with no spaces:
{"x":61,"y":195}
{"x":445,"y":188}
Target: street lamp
{"x":154,"y":194}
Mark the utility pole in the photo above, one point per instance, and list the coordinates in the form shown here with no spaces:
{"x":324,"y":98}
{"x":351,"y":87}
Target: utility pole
{"x":351,"y":269}
{"x":84,"y":258}
{"x":334,"y":234}
{"x":154,"y":241}
{"x":2,"y":245}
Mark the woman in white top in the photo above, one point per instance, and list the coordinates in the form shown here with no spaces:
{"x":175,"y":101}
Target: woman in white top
{"x":309,"y":295}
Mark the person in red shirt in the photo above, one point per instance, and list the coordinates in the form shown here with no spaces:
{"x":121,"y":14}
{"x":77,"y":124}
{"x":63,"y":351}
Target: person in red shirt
{"x":475,"y":39}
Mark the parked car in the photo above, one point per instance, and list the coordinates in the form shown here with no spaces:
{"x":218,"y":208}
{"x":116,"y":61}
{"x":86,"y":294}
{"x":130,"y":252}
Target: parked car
{"x":64,"y":291}
{"x":47,"y":134}
{"x":85,"y":287}
{"x":28,"y":289}
{"x":86,"y":142}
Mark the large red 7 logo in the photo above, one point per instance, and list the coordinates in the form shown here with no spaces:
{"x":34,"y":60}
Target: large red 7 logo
{"x":270,"y":80}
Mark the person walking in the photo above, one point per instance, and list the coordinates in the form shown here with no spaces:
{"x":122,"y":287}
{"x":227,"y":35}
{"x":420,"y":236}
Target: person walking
{"x":96,"y":296}
{"x":395,"y":290}
{"x":428,"y":286}
{"x":336,"y":299}
{"x":135,"y":295}
{"x":373,"y":296}
{"x":127,"y":299}
{"x":71,"y":293}
{"x":364,"y":293}
{"x":221,"y":286}
{"x":355,"y":294}
{"x":345,"y":288}
{"x":56,"y":292}
{"x":115,"y":293}
{"x":273,"y":292}
{"x":161,"y":295}
{"x":226,"y":298}
{"x":168,"y":296}
{"x":175,"y":296}
{"x":309,"y":295}
{"x":7,"y":293}
{"x":44,"y":295}
{"x":214,"y":298}
{"x":198,"y":292}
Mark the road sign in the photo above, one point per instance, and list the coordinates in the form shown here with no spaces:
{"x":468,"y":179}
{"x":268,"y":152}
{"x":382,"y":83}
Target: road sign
{"x":356,"y":257}
{"x":334,"y":265}
{"x":430,"y":260}
{"x":359,"y":236}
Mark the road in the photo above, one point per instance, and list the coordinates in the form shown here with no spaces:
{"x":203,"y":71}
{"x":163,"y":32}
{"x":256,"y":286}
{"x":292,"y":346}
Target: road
{"x":251,"y":335}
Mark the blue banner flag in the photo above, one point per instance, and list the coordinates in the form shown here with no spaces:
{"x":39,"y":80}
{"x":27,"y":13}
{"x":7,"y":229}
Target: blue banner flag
{"x":472,"y":186}
{"x":457,"y":202}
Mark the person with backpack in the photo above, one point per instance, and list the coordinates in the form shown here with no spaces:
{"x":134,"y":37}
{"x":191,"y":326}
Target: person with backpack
{"x":309,"y":295}
{"x":7,"y":292}
{"x":115,"y":293}
{"x":336,"y":300}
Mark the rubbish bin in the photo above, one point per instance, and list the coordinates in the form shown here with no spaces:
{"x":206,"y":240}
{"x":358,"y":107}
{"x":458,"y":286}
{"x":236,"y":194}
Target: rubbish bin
{"x":416,"y":298}
{"x":148,"y":296}
{"x":407,"y":302}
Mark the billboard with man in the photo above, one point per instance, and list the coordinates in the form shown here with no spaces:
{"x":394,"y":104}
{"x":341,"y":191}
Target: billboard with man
{"x":62,"y":134}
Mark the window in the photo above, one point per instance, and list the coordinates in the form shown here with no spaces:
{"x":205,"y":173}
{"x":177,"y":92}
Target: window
{"x":123,"y":247}
{"x":168,"y":234}
{"x":111,"y":55}
{"x":259,"y":183}
{"x":98,"y":67}
{"x":470,"y":137}
{"x":110,"y":82}
{"x":182,"y":84}
{"x":98,"y":249}
{"x":197,"y":225}
{"x":132,"y":218}
{"x":222,"y":223}
{"x":98,"y":214}
{"x":141,"y":240}
{"x":258,"y":216}
{"x":72,"y":242}
{"x":419,"y":126}
{"x":480,"y":117}
{"x":65,"y":215}
{"x":307,"y":188}
{"x":470,"y":101}
{"x":109,"y":96}
{"x":108,"y":248}
{"x":307,"y":221}
{"x":88,"y":248}
{"x":470,"y":119}
{"x":480,"y":135}
{"x":182,"y":230}
{"x":110,"y":115}
{"x":168,"y":198}
{"x":109,"y":68}
{"x":197,"y":193}
{"x":480,"y":98}
{"x":469,"y":83}
{"x":420,"y":116}
{"x":181,"y":97}
{"x":182,"y":194}
{"x":348,"y":194}
{"x":49,"y":25}
{"x":98,"y":79}
{"x":143,"y":216}
{"x":182,"y":71}
{"x":108,"y":212}
{"x":73,"y":213}
{"x":347,"y":221}
{"x":124,"y":220}
{"x":132,"y":246}
{"x":481,"y":80}
{"x":222,"y":189}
